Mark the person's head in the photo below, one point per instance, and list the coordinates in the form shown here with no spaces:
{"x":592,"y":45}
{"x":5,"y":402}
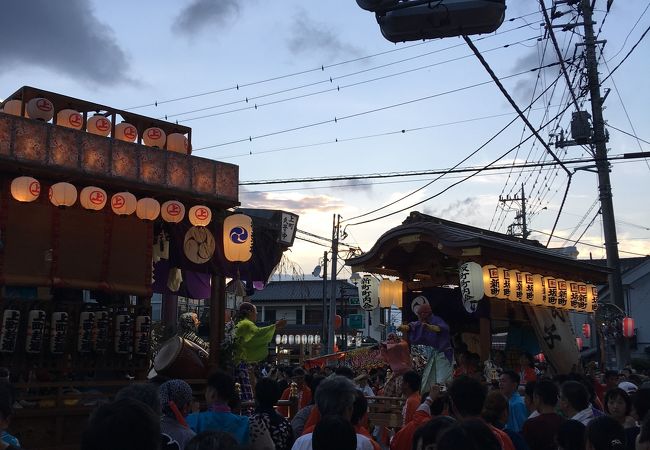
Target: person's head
{"x":411,"y":382}
{"x":509,"y":382}
{"x":345,"y":371}
{"x":146,"y":393}
{"x":6,"y":404}
{"x":267,"y":392}
{"x":499,"y":357}
{"x":617,"y":404}
{"x":313,"y":385}
{"x":127,"y":424}
{"x":529,"y":392}
{"x":424,"y":312}
{"x":175,"y":396}
{"x":359,"y":408}
{"x":574,"y":397}
{"x":545,"y":394}
{"x":247,"y":311}
{"x":571,"y":435}
{"x":188,"y":321}
{"x":221,"y":388}
{"x":467,"y":396}
{"x":362,"y":379}
{"x":298,"y":376}
{"x":611,"y":379}
{"x":625,"y":374}
{"x":495,"y":408}
{"x":526,"y":360}
{"x":425,"y":435}
{"x":334,"y":432}
{"x":472,"y":434}
{"x":605,"y":433}
{"x":335,"y":396}
{"x":212,"y":440}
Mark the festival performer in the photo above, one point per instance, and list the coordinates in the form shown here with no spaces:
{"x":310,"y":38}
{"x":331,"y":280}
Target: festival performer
{"x":250,"y":344}
{"x":396,"y":353}
{"x":431,"y":332}
{"x":188,"y":325}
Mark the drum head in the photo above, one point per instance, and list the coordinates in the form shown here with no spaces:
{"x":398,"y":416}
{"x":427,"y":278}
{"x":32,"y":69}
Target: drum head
{"x":167,"y":353}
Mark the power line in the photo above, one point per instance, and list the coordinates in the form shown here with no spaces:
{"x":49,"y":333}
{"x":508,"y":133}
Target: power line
{"x":588,"y":245}
{"x":609,"y":125}
{"x":629,"y":33}
{"x":611,"y":72}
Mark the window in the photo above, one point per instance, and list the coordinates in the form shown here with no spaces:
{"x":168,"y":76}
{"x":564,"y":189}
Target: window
{"x":298,"y":316}
{"x":270,"y":315}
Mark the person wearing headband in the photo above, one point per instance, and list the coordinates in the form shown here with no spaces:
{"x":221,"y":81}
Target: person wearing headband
{"x":175,"y":404}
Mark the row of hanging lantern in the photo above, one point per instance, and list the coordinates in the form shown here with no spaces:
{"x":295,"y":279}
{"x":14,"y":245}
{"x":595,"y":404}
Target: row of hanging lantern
{"x":28,"y":189}
{"x":43,"y":109}
{"x":627,"y":326}
{"x":297,"y":339}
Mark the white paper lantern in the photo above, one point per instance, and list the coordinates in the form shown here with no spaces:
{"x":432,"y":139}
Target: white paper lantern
{"x":237,"y":237}
{"x":12,"y":107}
{"x":126,"y":132}
{"x":40,"y":109}
{"x":147,"y":209}
{"x":177,"y":142}
{"x":304,"y":339}
{"x":385,"y":295}
{"x":200,"y":216}
{"x":172,"y":211}
{"x":397,"y":293}
{"x":123,"y":203}
{"x":285,"y":339}
{"x":93,"y":198}
{"x":25,"y":189}
{"x":317,"y":339}
{"x":63,"y":194}
{"x":154,"y":137}
{"x":69,"y":118}
{"x":310,"y":339}
{"x":278,"y":339}
{"x":99,"y":125}
{"x":292,"y":339}
{"x":471,"y":285}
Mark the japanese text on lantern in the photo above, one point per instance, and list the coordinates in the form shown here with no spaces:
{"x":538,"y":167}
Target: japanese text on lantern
{"x":288,"y":226}
{"x":366,"y":293}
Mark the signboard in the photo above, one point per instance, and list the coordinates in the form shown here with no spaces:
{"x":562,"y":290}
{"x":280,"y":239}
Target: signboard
{"x":369,"y":292}
{"x":356,"y":321}
{"x":353,"y":301}
{"x":288,"y":226}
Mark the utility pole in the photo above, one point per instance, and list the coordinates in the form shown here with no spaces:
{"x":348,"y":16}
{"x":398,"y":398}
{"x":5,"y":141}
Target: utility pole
{"x":521,"y":215}
{"x":324,"y":329}
{"x":336,"y":222}
{"x":599,"y":142}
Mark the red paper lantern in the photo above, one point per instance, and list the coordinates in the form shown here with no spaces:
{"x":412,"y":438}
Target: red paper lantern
{"x":586,"y":330}
{"x":628,"y":327}
{"x":337,"y":322}
{"x":579,"y":343}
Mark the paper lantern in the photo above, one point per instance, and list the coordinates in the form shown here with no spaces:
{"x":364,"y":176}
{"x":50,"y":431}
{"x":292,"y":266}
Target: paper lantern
{"x":397,"y":290}
{"x":562,"y":294}
{"x":471,"y":285}
{"x":517,"y":286}
{"x":579,"y":343}
{"x":292,"y":339}
{"x":40,"y":109}
{"x":285,"y":339}
{"x":237,"y":237}
{"x":310,"y":339}
{"x":628,"y":327}
{"x":177,"y":142}
{"x":123,"y":203}
{"x":25,"y":189}
{"x":12,"y":107}
{"x":539,"y":290}
{"x":337,"y":322}
{"x":126,"y":132}
{"x":154,"y":137}
{"x":278,"y":339}
{"x":172,"y":211}
{"x":99,"y":125}
{"x":493,"y":281}
{"x":369,"y":292}
{"x":385,"y":295}
{"x":592,"y":298}
{"x":69,"y":118}
{"x":200,"y":216}
{"x":63,"y":194}
{"x":93,"y":198}
{"x":507,"y":283}
{"x":317,"y":339}
{"x":550,"y":284}
{"x":586,"y":330}
{"x":147,"y":209}
{"x":304,"y":339}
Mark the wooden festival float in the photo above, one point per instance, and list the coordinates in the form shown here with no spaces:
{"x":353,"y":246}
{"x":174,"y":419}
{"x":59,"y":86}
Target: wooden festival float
{"x":90,"y":197}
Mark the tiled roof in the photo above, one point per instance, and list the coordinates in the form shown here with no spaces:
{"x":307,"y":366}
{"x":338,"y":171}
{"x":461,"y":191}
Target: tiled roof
{"x":301,"y":290}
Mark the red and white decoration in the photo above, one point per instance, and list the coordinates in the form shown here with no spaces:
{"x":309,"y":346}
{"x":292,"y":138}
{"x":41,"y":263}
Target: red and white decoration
{"x":586,"y":330}
{"x":99,"y":125}
{"x":628,"y":327}
{"x":63,"y":194}
{"x":172,"y":211}
{"x":126,"y":132}
{"x":93,"y":198}
{"x":579,"y":343}
{"x":200,"y":216}
{"x":177,"y":142}
{"x":25,"y":189}
{"x":69,"y":118}
{"x":124,"y":203}
{"x":40,"y":109}
{"x":154,"y":137}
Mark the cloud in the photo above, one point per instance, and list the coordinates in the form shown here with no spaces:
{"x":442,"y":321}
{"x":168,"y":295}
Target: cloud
{"x":353,"y":185}
{"x":523,"y":88}
{"x":298,"y":203}
{"x":201,"y":14}
{"x":308,"y":37}
{"x":467,"y":210}
{"x":65,"y":37}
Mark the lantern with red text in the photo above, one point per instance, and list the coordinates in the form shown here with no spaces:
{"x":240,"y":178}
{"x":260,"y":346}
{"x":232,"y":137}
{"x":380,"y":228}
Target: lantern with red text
{"x":93,"y":198}
{"x":63,"y":194}
{"x":172,"y":211}
{"x":177,"y":142}
{"x":12,"y":107}
{"x":154,"y":137}
{"x":69,"y":118}
{"x":126,"y":132}
{"x":123,"y":203}
{"x":586,"y":330}
{"x":200,"y":216}
{"x":237,"y":237}
{"x":40,"y":109}
{"x":579,"y":343}
{"x":628,"y":327}
{"x":25,"y":189}
{"x":147,"y":209}
{"x":99,"y":125}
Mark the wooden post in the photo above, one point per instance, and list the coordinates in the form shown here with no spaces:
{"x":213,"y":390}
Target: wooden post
{"x":217,"y":317}
{"x":485,"y":332}
{"x":169,"y":310}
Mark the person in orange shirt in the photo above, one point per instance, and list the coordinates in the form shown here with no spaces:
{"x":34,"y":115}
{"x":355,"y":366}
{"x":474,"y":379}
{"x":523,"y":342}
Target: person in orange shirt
{"x":432,"y":406}
{"x":304,"y":393}
{"x":526,"y":368}
{"x":411,"y":390}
